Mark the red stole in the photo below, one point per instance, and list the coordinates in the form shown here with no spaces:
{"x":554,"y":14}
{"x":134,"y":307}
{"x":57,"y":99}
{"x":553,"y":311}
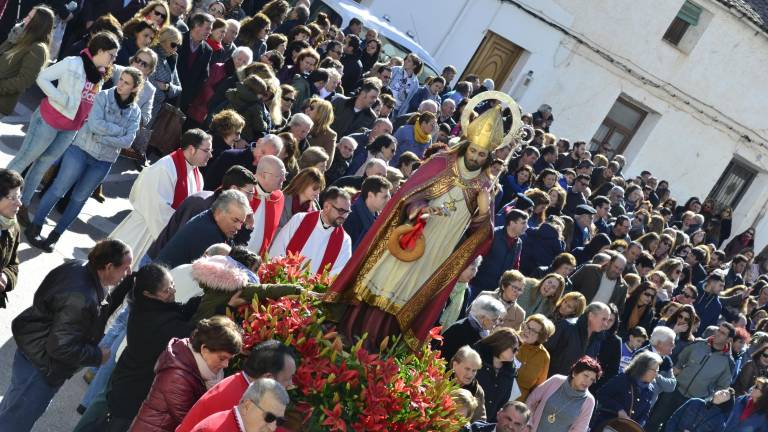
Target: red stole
{"x":182,"y":188}
{"x":272,"y":212}
{"x":302,"y":234}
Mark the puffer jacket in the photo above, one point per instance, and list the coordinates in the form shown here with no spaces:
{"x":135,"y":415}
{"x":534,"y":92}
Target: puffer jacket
{"x":59,"y":333}
{"x":177,"y":386}
{"x":18,"y":73}
{"x":220,"y":278}
{"x":257,"y":120}
{"x":109,"y":128}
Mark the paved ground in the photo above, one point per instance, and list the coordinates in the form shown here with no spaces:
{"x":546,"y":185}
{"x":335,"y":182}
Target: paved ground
{"x":95,"y":222}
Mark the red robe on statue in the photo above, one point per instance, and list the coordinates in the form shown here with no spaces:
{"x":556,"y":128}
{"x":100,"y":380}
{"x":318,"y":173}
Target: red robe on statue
{"x":421,"y":312}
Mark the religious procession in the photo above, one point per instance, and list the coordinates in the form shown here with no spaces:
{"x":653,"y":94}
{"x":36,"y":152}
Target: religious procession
{"x":362,"y":215}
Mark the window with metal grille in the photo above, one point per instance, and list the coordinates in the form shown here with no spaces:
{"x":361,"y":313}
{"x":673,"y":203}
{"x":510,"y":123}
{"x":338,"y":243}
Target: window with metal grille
{"x":618,"y":128}
{"x":688,"y":16}
{"x":732,"y":185}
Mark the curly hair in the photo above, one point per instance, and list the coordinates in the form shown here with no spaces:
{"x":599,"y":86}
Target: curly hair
{"x":227,"y":122}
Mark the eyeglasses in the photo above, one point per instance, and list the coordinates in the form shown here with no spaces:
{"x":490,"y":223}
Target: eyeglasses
{"x":140,"y":62}
{"x":13,"y":198}
{"x":159,"y":14}
{"x":530,"y":329}
{"x":341,"y":210}
{"x":174,"y":45}
{"x":270,"y":417}
{"x":282,"y":174}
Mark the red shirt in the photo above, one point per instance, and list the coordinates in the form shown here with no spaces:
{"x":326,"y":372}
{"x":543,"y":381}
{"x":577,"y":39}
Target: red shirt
{"x":221,"y":397}
{"x":223,"y":421}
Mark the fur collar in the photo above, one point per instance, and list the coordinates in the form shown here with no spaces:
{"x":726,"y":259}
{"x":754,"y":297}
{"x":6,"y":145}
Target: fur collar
{"x":218,"y":274}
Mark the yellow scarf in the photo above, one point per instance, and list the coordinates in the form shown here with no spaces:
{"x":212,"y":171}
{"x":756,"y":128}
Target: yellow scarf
{"x":419,"y":135}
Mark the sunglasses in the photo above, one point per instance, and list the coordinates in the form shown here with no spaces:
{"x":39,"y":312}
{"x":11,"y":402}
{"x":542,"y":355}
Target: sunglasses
{"x":174,"y":45}
{"x":270,"y":417}
{"x":287,"y":99}
{"x":764,"y":355}
{"x":140,"y":62}
{"x":159,"y":14}
{"x":687,"y":295}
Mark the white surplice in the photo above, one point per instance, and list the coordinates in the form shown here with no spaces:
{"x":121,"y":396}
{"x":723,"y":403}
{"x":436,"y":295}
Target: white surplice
{"x":152,"y":197}
{"x":259,"y":219}
{"x":314,"y":248}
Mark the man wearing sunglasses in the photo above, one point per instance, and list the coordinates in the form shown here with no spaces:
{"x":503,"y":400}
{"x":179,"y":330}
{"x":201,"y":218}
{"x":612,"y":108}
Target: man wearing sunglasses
{"x":270,"y":359}
{"x":261,"y":409}
{"x":318,"y":236}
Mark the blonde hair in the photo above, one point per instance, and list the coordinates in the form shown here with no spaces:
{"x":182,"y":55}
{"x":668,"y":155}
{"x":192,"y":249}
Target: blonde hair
{"x":169,"y":34}
{"x":464,"y":400}
{"x":323,"y":115}
{"x":547,"y":327}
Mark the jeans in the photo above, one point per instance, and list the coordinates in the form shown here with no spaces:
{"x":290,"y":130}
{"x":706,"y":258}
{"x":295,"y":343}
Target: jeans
{"x":77,"y":168}
{"x":41,"y":147}
{"x":112,"y":340}
{"x":27,"y":398}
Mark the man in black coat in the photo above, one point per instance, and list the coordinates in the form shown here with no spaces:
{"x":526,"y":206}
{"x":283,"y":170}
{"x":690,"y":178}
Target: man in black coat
{"x":353,"y":66}
{"x":237,"y":177}
{"x":352,"y":114}
{"x":10,"y":203}
{"x":60,"y":332}
{"x":603,"y":283}
{"x":220,"y":224}
{"x":513,"y":416}
{"x":573,"y":340}
{"x":194,"y":58}
{"x":484,"y":313}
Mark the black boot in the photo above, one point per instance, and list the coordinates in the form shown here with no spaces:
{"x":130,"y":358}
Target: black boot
{"x":23,"y":216}
{"x":47,"y":244}
{"x":32,"y":231}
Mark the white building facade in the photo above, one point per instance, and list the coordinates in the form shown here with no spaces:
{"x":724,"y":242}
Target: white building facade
{"x":678,"y":87}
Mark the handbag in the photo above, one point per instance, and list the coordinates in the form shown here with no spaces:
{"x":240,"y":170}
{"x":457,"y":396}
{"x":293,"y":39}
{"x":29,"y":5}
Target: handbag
{"x":167,"y":128}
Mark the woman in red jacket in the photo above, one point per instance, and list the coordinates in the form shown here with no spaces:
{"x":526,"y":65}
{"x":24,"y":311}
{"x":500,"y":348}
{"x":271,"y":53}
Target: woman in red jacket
{"x":184,"y":371}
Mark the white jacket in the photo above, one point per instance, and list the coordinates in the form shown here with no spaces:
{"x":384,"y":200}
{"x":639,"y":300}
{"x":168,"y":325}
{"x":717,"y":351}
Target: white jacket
{"x":70,"y":74}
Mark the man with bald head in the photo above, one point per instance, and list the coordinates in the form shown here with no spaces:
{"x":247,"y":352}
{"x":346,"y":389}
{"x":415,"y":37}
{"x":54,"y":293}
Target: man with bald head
{"x":373,"y":167}
{"x":248,"y":157}
{"x":267,"y":202}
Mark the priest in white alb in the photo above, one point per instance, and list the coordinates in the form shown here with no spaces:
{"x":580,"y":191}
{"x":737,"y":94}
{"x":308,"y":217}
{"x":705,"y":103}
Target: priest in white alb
{"x":318,"y":236}
{"x":267,"y":203}
{"x":160,"y":189}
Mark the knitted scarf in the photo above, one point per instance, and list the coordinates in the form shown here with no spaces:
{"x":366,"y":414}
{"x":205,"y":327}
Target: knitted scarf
{"x":419,"y":135}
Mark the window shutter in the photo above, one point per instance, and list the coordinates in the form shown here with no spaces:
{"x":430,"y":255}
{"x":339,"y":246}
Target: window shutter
{"x":690,"y":13}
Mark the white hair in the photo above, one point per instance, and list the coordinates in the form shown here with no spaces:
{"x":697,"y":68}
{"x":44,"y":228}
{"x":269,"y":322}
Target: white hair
{"x":375,"y":162}
{"x":428,"y":105}
{"x":218,"y":249}
{"x":260,"y":387}
{"x":234,"y":23}
{"x":275,"y":140}
{"x":243,"y":49}
{"x":489,"y":84}
{"x":661,"y":334}
{"x":348,"y":139}
{"x":449,"y":101}
{"x":300,"y":119}
{"x":230,"y":197}
{"x":487,"y":306}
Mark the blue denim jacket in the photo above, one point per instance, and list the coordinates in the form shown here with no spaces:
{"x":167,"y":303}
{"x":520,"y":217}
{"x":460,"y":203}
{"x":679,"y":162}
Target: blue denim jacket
{"x":109,"y":128}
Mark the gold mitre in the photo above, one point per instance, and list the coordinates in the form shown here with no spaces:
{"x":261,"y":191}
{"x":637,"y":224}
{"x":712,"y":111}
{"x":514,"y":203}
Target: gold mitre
{"x":487,"y":130}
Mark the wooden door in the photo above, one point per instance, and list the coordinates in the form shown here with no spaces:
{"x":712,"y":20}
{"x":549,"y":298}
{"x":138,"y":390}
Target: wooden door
{"x":494,"y":58}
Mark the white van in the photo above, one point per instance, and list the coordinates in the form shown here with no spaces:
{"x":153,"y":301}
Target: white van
{"x":393,"y":41}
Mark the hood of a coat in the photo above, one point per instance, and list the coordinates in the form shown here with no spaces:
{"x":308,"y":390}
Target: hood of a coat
{"x":219,"y":274}
{"x":241,"y":96}
{"x":545,"y":231}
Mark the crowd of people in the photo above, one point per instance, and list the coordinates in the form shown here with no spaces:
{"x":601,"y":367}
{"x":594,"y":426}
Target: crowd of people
{"x":600,"y":301}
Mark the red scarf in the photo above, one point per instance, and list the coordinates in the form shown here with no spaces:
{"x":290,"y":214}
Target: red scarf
{"x":182,"y":188}
{"x":726,"y":348}
{"x":748,"y":410}
{"x":297,"y":207}
{"x":302,"y":234}
{"x":216,"y":46}
{"x":275,"y":203}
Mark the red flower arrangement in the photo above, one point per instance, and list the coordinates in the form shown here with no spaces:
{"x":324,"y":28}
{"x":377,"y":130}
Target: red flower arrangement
{"x":351,"y":389}
{"x":294,"y":269}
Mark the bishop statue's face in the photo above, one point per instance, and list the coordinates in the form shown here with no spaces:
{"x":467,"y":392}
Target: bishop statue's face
{"x":475,"y":157}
